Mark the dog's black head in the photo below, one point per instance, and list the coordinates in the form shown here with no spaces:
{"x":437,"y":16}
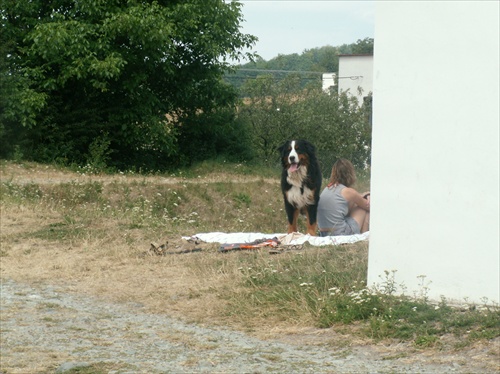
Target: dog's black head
{"x":296,"y":154}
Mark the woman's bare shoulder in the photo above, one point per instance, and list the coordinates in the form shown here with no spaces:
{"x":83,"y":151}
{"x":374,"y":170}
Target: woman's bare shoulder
{"x":349,"y":192}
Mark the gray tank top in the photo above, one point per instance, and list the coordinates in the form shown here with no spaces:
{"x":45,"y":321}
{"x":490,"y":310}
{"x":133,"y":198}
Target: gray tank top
{"x":333,"y":210}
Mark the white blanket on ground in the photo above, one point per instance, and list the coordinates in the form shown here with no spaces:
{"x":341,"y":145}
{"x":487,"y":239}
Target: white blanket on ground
{"x":286,"y":239}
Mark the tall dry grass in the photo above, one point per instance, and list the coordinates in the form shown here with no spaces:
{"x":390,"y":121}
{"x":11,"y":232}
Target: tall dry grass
{"x":92,"y":234}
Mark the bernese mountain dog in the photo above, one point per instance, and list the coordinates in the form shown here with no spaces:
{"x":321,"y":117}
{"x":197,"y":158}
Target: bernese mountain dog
{"x":300,"y":182}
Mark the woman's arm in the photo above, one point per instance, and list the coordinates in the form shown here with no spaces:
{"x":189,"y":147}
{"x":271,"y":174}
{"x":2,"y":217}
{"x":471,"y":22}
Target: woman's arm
{"x":353,"y":196}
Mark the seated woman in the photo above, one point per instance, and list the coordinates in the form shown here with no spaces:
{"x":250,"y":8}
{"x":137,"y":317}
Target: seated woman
{"x":341,"y":209}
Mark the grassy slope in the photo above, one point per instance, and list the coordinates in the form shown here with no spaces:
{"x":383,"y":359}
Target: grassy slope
{"x":93,"y":233}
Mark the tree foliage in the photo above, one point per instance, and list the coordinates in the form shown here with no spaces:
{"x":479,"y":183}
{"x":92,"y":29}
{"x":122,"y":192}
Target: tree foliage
{"x":321,"y":60}
{"x":82,"y":76}
{"x":278,"y":110}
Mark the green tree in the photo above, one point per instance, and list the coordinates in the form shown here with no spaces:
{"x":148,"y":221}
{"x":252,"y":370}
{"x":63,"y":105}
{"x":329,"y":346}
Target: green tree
{"x":322,"y":60}
{"x":270,"y":111}
{"x":79,"y":73}
{"x":327,"y":60}
{"x":278,"y":110}
{"x":363,"y":47}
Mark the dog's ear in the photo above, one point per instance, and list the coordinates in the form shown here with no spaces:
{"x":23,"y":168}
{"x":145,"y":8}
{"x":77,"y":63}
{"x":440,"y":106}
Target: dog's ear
{"x":282,"y":147}
{"x":311,"y":151}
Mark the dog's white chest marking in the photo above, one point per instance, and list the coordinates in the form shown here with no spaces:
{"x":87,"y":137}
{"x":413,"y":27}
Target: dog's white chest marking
{"x":299,"y":195}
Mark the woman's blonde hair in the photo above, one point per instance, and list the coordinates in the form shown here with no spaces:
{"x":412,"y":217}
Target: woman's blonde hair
{"x":343,"y":172}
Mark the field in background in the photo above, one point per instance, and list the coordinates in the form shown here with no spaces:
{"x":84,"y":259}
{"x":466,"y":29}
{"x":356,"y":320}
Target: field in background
{"x":92,"y":233}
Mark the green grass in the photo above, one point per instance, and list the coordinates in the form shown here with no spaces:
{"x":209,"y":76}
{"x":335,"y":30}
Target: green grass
{"x":326,"y":286}
{"x":330,"y":288}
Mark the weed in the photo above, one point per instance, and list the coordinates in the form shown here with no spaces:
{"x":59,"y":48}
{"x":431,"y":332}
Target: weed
{"x":29,"y":192}
{"x":73,"y":194}
{"x":242,"y":199}
{"x":99,"y":154}
{"x":299,"y":286}
{"x":426,"y":341}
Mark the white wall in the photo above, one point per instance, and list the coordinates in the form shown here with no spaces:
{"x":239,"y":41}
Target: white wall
{"x":435,"y":163}
{"x":328,"y":81}
{"x":356,"y":71}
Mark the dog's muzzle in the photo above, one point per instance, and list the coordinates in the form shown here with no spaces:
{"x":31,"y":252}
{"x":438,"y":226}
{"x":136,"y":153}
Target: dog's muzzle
{"x":293,"y":167}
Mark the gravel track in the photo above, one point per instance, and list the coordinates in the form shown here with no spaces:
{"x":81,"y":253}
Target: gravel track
{"x":48,"y":329}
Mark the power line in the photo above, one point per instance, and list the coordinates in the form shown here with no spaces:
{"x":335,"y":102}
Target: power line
{"x":353,"y":77}
{"x":250,"y":77}
{"x":282,"y":71}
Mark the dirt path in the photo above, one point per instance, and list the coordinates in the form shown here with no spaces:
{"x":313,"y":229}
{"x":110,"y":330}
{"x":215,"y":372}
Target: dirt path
{"x":48,"y":329}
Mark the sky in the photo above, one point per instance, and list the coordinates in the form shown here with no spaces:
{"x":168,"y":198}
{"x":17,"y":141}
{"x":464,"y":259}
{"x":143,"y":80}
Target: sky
{"x":286,"y":27}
